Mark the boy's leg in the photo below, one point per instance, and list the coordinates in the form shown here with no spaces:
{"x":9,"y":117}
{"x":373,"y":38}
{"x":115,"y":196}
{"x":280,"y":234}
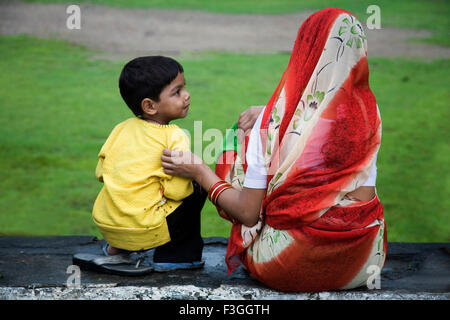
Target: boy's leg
{"x":186,"y":243}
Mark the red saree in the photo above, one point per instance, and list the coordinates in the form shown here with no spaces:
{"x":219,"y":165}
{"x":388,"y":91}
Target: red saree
{"x":320,"y":133}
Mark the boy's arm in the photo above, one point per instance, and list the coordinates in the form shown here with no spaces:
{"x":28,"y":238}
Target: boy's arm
{"x":99,"y":168}
{"x":177,"y":188}
{"x":102,"y":154}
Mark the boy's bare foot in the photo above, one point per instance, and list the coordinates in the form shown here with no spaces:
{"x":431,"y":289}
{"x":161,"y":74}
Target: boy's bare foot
{"x":112,"y":250}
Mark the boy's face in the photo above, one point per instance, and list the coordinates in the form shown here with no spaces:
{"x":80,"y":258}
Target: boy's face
{"x":174,"y":101}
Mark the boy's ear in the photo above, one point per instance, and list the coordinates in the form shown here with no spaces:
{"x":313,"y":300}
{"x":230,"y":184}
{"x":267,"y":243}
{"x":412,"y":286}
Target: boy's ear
{"x":149,"y":106}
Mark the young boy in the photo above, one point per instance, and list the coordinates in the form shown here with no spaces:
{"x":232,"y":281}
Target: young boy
{"x":140,"y":207}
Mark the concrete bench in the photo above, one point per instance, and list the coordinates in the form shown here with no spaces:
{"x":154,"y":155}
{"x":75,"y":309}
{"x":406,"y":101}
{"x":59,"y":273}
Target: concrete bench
{"x":37,"y":268}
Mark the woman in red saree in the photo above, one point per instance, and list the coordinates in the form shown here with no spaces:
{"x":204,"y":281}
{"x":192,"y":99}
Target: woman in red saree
{"x":305,"y":214}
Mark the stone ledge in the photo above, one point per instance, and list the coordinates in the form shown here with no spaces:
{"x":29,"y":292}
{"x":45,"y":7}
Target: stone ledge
{"x":35,"y":268}
{"x":191,"y":292}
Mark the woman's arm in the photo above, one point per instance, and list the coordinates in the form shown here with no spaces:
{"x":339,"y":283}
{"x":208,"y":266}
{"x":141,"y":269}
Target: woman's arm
{"x":243,"y":206}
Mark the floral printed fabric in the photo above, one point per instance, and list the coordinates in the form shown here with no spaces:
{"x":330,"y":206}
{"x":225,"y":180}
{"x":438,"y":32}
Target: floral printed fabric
{"x":320,"y":132}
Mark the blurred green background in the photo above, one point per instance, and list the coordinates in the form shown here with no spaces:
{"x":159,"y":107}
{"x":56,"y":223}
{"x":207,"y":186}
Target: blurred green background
{"x":58,"y":104}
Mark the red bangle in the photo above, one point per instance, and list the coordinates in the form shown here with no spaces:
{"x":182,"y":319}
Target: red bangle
{"x":217,"y":189}
{"x":214,"y":187}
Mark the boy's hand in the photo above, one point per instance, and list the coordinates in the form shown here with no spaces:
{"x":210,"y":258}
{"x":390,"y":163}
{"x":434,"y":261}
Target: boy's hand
{"x":246,"y":121}
{"x":181,"y":163}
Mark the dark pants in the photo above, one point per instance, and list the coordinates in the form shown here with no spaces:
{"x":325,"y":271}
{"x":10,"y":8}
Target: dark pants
{"x":186,"y":244}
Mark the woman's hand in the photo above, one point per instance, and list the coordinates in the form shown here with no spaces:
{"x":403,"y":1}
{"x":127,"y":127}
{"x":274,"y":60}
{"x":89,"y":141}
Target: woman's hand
{"x":181,"y":163}
{"x":246,"y":121}
{"x":243,"y":206}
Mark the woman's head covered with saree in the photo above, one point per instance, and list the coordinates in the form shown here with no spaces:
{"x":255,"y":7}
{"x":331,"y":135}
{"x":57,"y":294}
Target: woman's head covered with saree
{"x":320,"y":134}
{"x":321,"y":128}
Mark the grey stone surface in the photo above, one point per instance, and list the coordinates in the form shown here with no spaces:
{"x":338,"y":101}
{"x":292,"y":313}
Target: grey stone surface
{"x":36,"y":268}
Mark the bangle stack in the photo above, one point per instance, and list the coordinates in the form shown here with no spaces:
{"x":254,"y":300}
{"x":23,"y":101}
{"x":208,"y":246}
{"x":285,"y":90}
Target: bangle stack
{"x":217,"y":189}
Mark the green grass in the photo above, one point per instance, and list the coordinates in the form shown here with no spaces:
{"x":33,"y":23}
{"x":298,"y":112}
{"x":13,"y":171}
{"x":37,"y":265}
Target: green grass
{"x":58,"y":105}
{"x":413,"y":179}
{"x":429,"y":15}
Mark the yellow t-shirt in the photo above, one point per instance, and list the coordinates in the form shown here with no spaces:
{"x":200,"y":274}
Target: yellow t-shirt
{"x":131,"y":209}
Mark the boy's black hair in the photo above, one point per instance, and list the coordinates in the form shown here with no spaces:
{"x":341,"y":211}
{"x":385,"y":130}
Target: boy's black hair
{"x":146,"y":77}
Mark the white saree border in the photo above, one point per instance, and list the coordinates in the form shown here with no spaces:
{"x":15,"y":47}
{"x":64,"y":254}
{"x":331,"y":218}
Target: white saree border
{"x":375,"y":260}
